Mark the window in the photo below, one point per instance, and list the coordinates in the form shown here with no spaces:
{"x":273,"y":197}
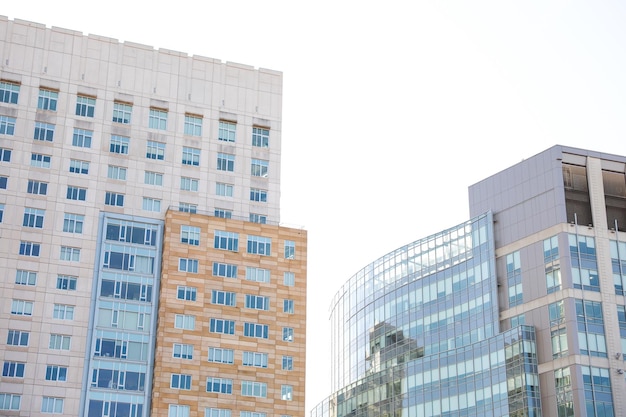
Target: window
{"x":70,"y":254}
{"x":514,"y":278}
{"x":176,"y":410}
{"x":63,"y":312}
{"x":598,"y":395}
{"x":222,"y":326}
{"x":225,"y":298}
{"x":256,"y":359}
{"x":40,"y":160}
{"x":584,"y":263}
{"x":219,"y":385}
{"x":224,"y":270}
{"x":187,"y":208}
{"x":180,"y":381}
{"x":158,"y":119}
{"x":225,"y":190}
{"x":259,"y":168}
{"x":66,"y":282}
{"x":186,"y":322}
{"x":288,"y":306}
{"x":13,"y":369}
{"x":227,"y":131}
{"x":258,"y":218}
{"x":260,"y":137}
{"x":191,"y":156}
{"x":251,"y":414}
{"x":3,"y":183}
{"x":59,"y":342}
{"x":186,"y":293}
{"x":33,"y":218}
{"x":257,"y":274}
{"x":224,"y":214}
{"x":153,"y":178}
{"x":190,"y":235}
{"x":116,"y":173}
{"x":289,"y":279}
{"x":56,"y":373}
{"x":85,"y":106}
{"x":258,"y":195}
{"x":155,"y":150}
{"x":253,"y":389}
{"x":216,"y":412}
{"x":5,"y":155}
{"x":220,"y":355}
{"x":52,"y":405}
{"x":287,"y":334}
{"x":287,"y":363}
{"x":151,"y":204}
{"x":114,"y":199}
{"x":17,"y":338}
{"x":76,"y":193}
{"x":591,"y":340}
{"x":226,"y":241}
{"x":119,"y":144}
{"x":259,"y":245}
{"x":122,"y":112}
{"x":73,"y":223}
{"x":1,"y":212}
{"x":21,"y":308}
{"x":182,"y":351}
{"x":47,"y":99}
{"x":7,"y":125}
{"x":23,"y":277}
{"x":257,"y":302}
{"x":260,"y":331}
{"x":225,"y":162}
{"x":188,"y":184}
{"x":10,"y":401}
{"x":290,"y":249}
{"x":286,"y":392}
{"x":188,"y":265}
{"x":9,"y":92}
{"x":82,"y":138}
{"x":193,"y":125}
{"x":29,"y":248}
{"x":37,"y":187}
{"x":79,"y":167}
{"x":518,"y":320}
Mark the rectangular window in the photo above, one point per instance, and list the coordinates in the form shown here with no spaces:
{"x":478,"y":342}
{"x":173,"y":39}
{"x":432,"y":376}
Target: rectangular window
{"x":290,"y":249}
{"x":225,"y":162}
{"x":257,"y":274}
{"x":186,"y":293}
{"x":37,"y":187}
{"x":222,"y":326}
{"x":158,"y":119}
{"x":251,"y":414}
{"x":514,"y":278}
{"x":82,"y":138}
{"x":63,"y":312}
{"x":224,"y":270}
{"x":190,"y":235}
{"x":287,"y":334}
{"x":155,"y":150}
{"x":176,"y":410}
{"x":221,"y":355}
{"x":225,"y":190}
{"x":79,"y":167}
{"x":286,"y":392}
{"x":114,"y":199}
{"x":122,"y":112}
{"x":33,"y":218}
{"x":219,"y":385}
{"x":73,"y":223}
{"x":257,"y":302}
{"x":7,"y":125}
{"x":259,"y":168}
{"x":217,"y":412}
{"x":180,"y":381}
{"x":23,"y":277}
{"x":182,"y":351}
{"x":591,"y":339}
{"x":188,"y":265}
{"x":116,"y":173}
{"x":191,"y":156}
{"x":288,"y":306}
{"x":151,"y":204}
{"x":227,"y":131}
{"x":70,"y":254}
{"x":225,"y":298}
{"x":187,"y":208}
{"x":10,"y":401}
{"x":1,"y":212}
{"x":188,"y":184}
{"x":259,"y":245}
{"x":119,"y":144}
{"x":12,"y":369}
{"x":226,"y":241}
{"x":258,"y":195}
{"x":260,"y":331}
{"x":289,"y":279}
{"x":47,"y":99}
{"x":17,"y":338}
{"x":56,"y":373}
{"x":256,"y":359}
{"x":224,"y":214}
{"x":3,"y":182}
{"x":153,"y":178}
{"x":21,"y":308}
{"x":5,"y":155}
{"x":29,"y":248}
{"x":52,"y":405}
{"x":66,"y":282}
{"x":59,"y":342}
{"x":258,"y":218}
{"x":287,"y":363}
{"x":40,"y":160}
{"x":186,"y":322}
{"x":9,"y":92}
{"x":598,"y":393}
{"x":193,"y":125}
{"x":76,"y":193}
{"x":253,"y":389}
{"x":85,"y":106}
{"x":260,"y":137}
{"x":584,"y":263}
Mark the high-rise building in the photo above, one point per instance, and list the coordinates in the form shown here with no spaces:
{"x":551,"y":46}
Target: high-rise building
{"x":520,"y":311}
{"x":145,"y":268}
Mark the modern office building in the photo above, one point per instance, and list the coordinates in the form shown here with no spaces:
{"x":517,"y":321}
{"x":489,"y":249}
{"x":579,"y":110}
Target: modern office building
{"x":128,"y":176}
{"x":520,"y":311}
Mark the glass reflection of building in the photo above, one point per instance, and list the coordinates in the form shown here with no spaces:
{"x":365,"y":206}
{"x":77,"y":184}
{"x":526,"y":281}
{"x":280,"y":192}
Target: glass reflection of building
{"x":520,"y":311}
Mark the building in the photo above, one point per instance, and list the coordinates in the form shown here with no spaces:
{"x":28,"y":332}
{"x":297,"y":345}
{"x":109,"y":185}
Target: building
{"x":127,"y":174}
{"x":520,"y":311}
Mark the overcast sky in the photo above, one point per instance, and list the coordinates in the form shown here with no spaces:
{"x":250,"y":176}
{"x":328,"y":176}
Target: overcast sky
{"x":391,"y":110}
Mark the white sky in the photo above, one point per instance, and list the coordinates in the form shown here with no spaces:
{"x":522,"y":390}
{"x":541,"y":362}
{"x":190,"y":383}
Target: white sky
{"x":391,"y":110}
